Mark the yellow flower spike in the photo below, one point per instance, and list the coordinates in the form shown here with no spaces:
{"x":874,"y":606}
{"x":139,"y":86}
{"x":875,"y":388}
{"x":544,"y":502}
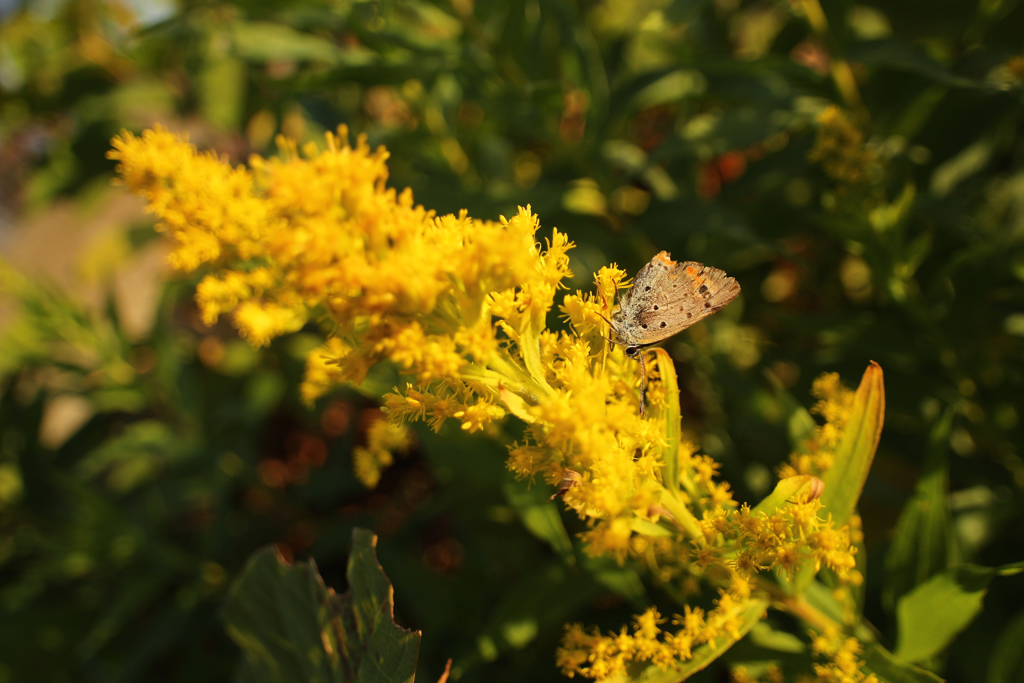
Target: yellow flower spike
{"x":322,"y":369}
{"x":609,"y":537}
{"x":259,"y":322}
{"x":317,"y":233}
{"x":478,"y":416}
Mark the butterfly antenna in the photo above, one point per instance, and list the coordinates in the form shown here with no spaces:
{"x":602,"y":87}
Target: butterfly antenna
{"x":613,"y":327}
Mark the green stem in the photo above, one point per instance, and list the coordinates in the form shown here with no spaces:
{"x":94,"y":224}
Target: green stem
{"x":683,"y":517}
{"x":519,"y":380}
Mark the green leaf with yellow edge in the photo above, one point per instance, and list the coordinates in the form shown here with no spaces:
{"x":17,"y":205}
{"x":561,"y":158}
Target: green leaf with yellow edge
{"x":932,"y":614}
{"x":788,"y":489}
{"x":704,"y":655}
{"x":293,"y":629}
{"x":845,"y":479}
{"x":671,"y":419}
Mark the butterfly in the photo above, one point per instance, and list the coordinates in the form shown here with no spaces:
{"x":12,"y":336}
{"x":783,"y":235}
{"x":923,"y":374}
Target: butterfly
{"x":666,"y":298}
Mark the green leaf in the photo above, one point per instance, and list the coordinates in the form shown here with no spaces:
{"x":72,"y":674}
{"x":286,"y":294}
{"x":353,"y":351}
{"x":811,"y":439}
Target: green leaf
{"x":703,"y":655}
{"x":671,"y":419}
{"x":786,"y":490}
{"x":931,"y":615}
{"x":646,"y":528}
{"x":925,"y":542}
{"x":897,"y":55}
{"x":535,"y":603}
{"x":764,"y":636}
{"x":293,"y":629}
{"x":887,"y":667}
{"x":221,"y":89}
{"x":540,"y":516}
{"x":845,"y":479}
{"x":799,"y":422}
{"x":624,"y":581}
{"x":1006,"y":663}
{"x":266,"y":41}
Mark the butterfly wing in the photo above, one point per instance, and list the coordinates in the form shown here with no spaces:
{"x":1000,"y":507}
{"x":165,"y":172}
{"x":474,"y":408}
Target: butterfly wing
{"x":668,"y":297}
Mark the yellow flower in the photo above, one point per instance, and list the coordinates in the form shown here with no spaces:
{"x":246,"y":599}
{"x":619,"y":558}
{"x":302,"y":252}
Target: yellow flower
{"x":840,"y":149}
{"x":817,"y":453}
{"x":383,"y":440}
{"x":459,"y":307}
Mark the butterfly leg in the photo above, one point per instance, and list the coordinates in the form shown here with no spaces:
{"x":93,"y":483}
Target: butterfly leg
{"x":643,"y":383}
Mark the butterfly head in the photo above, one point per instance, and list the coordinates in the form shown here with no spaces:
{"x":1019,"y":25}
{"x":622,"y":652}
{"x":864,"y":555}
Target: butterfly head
{"x":633,"y":351}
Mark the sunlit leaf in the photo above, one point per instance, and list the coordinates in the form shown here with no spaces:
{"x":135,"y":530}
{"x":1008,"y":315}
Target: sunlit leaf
{"x":768,"y":638}
{"x":292,"y":628}
{"x":787,"y":490}
{"x":647,"y":528}
{"x":931,"y":615}
{"x":266,"y":41}
{"x":845,"y":479}
{"x":671,"y":420}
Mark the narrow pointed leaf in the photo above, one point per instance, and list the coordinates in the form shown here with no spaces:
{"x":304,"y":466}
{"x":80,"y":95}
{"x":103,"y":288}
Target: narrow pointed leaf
{"x":845,"y":480}
{"x":671,"y":420}
{"x":293,"y":629}
{"x":925,"y":542}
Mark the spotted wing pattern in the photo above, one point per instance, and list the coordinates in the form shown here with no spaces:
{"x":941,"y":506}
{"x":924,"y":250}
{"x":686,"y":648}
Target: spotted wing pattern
{"x":668,"y":297}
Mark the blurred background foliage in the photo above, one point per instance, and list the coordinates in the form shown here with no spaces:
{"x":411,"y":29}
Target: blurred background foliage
{"x":144,"y":457}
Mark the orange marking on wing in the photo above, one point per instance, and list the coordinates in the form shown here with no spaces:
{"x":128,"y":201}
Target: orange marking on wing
{"x":664,"y":258}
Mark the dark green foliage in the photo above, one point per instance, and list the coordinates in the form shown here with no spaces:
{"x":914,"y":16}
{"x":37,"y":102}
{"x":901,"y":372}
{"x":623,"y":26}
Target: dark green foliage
{"x":293,"y":628}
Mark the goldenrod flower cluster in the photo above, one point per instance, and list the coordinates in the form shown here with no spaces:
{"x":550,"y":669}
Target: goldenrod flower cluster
{"x":734,"y":546}
{"x":383,"y":440}
{"x":652,"y":639}
{"x":840,"y":149}
{"x":816,"y":454}
{"x":843,"y":653}
{"x":459,"y":306}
